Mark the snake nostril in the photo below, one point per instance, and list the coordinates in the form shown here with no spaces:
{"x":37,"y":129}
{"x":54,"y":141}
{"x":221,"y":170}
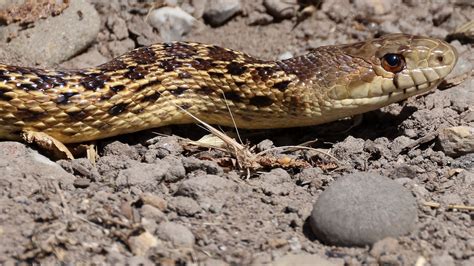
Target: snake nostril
{"x":440,"y":58}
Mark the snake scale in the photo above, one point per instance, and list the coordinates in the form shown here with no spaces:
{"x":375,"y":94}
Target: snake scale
{"x":148,"y":87}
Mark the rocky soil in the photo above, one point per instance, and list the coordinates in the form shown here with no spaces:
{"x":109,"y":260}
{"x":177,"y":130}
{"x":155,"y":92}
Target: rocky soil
{"x":395,"y":189}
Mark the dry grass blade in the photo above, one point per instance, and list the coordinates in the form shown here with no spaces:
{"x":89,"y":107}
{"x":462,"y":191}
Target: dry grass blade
{"x":449,"y":207}
{"x":245,"y":158}
{"x":298,"y":147}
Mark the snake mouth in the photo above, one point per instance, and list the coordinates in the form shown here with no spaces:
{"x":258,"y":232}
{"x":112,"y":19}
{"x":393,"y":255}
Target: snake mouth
{"x":373,"y":101}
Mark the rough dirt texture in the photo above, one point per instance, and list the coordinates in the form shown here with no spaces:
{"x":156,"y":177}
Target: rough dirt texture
{"x":158,"y":199}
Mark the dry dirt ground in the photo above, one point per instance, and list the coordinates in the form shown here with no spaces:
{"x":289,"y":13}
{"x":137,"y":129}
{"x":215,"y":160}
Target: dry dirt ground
{"x":153,"y":197}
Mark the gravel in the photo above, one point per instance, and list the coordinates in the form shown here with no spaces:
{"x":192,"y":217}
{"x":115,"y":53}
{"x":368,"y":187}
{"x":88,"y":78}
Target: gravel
{"x":79,"y":214}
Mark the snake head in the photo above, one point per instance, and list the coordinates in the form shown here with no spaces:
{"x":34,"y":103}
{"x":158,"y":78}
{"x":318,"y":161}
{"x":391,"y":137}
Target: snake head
{"x":393,"y":68}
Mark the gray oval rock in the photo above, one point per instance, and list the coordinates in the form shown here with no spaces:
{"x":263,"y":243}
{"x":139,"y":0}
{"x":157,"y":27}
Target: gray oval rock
{"x":360,"y":209}
{"x":51,"y":40}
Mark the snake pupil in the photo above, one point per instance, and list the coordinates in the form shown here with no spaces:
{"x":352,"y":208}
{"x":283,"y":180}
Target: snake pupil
{"x":392,"y":59}
{"x":393,"y":62}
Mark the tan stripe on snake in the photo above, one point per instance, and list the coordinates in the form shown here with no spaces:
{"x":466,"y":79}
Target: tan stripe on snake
{"x":146,"y":87}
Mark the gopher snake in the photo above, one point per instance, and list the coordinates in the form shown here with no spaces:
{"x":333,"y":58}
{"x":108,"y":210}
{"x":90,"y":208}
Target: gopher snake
{"x":149,"y":86}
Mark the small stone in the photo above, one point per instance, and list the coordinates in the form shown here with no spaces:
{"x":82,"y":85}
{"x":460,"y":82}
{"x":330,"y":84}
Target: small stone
{"x":257,"y":18}
{"x":154,"y":201}
{"x":81,"y":182}
{"x":457,"y":141}
{"x":176,"y":171}
{"x":178,"y":234}
{"x":199,"y":8}
{"x":281,"y":9}
{"x":362,"y":208}
{"x":152,"y":213}
{"x":265,"y":145}
{"x":193,"y":164}
{"x":384,"y":246}
{"x":140,"y":244}
{"x":118,"y":27}
{"x":119,"y":47}
{"x":184,"y":206}
{"x":165,"y":146}
{"x":119,"y":148}
{"x":442,"y":260}
{"x":138,"y":26}
{"x":303,"y":260}
{"x":219,"y":11}
{"x":285,"y":55}
{"x":145,"y":176}
{"x":172,"y":22}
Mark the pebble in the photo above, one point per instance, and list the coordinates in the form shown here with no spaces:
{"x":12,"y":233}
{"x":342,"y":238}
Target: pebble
{"x":457,"y":141}
{"x":165,"y":146}
{"x":217,"y":12}
{"x":194,"y":164}
{"x":152,"y":213}
{"x":384,"y":246}
{"x":281,"y":9}
{"x":143,"y":30}
{"x":119,"y":148}
{"x":257,"y":18}
{"x":210,"y":191}
{"x":118,"y":26}
{"x":362,"y":208}
{"x":50,"y":42}
{"x":264,"y":145}
{"x":154,"y":200}
{"x":178,"y":234}
{"x":140,"y":244}
{"x":145,"y":176}
{"x":303,"y":260}
{"x":172,"y":22}
{"x":285,"y":55}
{"x":184,"y":206}
{"x":442,"y":260}
{"x":202,"y":186}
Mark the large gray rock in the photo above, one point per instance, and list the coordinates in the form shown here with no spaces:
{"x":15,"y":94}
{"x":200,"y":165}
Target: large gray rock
{"x":360,"y":209}
{"x":51,"y":40}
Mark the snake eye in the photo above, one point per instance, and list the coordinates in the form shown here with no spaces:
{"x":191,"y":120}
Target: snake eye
{"x":393,"y":62}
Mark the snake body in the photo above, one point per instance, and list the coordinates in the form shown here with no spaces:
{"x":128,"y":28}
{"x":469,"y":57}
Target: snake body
{"x":150,"y":86}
